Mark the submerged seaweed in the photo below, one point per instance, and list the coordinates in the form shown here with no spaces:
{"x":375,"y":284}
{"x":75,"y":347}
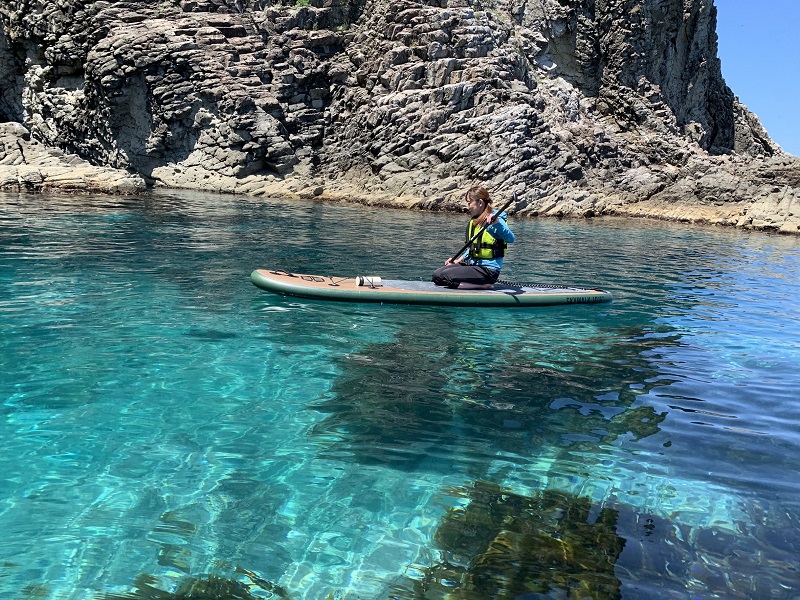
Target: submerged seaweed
{"x":208,"y":587}
{"x":502,"y":545}
{"x":399,"y":402}
{"x":557,"y":545}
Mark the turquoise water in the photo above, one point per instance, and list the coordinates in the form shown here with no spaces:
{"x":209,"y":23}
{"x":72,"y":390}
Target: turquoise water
{"x":164,"y":423}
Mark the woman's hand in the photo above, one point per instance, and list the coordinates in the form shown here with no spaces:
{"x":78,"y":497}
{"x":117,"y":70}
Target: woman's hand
{"x":450,"y":261}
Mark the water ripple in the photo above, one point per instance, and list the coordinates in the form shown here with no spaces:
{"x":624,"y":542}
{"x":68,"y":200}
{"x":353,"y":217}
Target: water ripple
{"x":164,"y":420}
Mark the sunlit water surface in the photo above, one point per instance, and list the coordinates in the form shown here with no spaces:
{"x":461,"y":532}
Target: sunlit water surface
{"x":165,"y":424}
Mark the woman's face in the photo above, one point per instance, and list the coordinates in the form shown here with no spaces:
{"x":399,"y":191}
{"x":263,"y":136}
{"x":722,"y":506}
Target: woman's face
{"x":475,"y":207}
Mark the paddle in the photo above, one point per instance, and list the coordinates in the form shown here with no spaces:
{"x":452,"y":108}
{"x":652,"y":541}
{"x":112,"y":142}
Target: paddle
{"x":484,"y":228}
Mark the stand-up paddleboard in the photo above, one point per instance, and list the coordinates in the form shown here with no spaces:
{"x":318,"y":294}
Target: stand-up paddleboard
{"x":393,"y":291}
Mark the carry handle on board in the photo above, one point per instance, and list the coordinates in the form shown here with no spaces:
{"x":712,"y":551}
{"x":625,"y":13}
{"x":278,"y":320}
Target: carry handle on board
{"x":484,"y":228}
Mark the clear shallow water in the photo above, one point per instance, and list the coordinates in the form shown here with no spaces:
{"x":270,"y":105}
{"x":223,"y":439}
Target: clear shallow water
{"x":164,"y":422}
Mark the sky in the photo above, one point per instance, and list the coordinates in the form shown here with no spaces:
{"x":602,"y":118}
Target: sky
{"x":759,"y":46}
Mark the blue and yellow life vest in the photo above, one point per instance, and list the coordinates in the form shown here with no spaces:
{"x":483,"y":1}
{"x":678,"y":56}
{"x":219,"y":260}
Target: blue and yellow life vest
{"x":485,"y":246}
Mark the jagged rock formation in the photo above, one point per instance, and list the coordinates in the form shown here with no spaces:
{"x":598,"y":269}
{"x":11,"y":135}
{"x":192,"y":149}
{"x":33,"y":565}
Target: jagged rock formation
{"x":27,"y":165}
{"x":583,"y":107}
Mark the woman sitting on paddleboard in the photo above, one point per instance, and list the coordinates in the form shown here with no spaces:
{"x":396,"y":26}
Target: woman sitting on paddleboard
{"x":478,"y":266}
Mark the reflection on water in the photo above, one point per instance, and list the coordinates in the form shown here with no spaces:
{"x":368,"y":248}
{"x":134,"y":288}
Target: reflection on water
{"x":170,"y":431}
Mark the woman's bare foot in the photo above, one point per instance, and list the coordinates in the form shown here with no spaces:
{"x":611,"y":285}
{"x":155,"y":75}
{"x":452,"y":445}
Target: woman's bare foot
{"x":475,"y":286}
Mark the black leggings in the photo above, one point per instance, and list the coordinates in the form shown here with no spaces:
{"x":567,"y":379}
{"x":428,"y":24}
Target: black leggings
{"x":451,"y":275}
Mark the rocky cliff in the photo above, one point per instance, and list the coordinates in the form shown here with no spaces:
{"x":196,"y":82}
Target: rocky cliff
{"x":583,"y":107}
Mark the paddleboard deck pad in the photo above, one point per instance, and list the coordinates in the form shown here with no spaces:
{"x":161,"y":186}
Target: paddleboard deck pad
{"x":394,"y":291}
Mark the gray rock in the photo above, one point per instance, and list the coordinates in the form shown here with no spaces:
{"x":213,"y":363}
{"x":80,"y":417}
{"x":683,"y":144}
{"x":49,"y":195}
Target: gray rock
{"x":584,"y":110}
{"x":27,"y":165}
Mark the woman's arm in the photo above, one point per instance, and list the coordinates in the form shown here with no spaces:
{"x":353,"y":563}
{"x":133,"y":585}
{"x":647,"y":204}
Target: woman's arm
{"x":499,"y":229}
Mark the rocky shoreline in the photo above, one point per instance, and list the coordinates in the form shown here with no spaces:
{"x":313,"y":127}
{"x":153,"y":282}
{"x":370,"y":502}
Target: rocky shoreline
{"x":581,"y":110}
{"x":27,"y":165}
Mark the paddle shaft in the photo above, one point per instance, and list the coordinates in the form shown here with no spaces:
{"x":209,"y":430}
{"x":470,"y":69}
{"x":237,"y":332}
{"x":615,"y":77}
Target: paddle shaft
{"x":482,"y":229}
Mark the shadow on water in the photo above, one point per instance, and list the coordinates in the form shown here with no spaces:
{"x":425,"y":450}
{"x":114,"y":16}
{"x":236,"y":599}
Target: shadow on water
{"x":211,"y":335}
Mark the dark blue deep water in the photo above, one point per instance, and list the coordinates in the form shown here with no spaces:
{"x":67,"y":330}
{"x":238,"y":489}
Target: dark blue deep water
{"x":168,"y":428}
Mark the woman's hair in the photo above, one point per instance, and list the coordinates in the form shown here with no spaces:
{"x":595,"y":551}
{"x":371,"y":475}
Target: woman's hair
{"x":478,"y":192}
